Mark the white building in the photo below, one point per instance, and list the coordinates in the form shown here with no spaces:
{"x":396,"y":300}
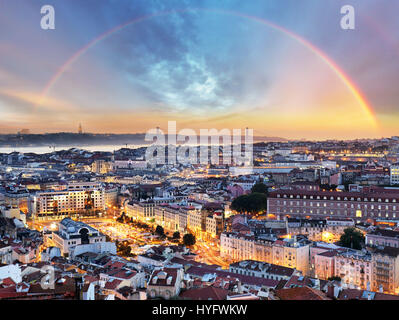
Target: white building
{"x":74,"y":233}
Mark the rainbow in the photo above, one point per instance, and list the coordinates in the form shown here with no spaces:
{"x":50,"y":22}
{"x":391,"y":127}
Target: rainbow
{"x":318,"y":52}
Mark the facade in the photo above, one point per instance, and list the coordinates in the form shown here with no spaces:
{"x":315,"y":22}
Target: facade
{"x":78,"y":199}
{"x":214,"y":225}
{"x":327,"y":204}
{"x":291,"y":253}
{"x":383,"y":237}
{"x":354,"y":268}
{"x":326,"y":230}
{"x":394,"y":174}
{"x":262,"y":270}
{"x":385,"y":270}
{"x":324,"y":264}
{"x":141,"y":211}
{"x":101,"y":166}
{"x":165,"y":283}
{"x":73,"y":233}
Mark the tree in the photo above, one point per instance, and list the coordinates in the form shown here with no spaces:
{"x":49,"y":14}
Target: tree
{"x":176,"y":235}
{"x":159,"y":231}
{"x":188,"y":239}
{"x":260,"y":187}
{"x":352,"y":238}
{"x":251,"y":203}
{"x":123,"y":248}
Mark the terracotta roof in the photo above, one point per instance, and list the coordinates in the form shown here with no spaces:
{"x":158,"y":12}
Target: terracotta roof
{"x":206,"y":293}
{"x":112,"y":284}
{"x":300,"y":293}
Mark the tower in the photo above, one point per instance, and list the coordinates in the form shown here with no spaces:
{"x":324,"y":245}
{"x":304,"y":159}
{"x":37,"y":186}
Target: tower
{"x":80,"y":129}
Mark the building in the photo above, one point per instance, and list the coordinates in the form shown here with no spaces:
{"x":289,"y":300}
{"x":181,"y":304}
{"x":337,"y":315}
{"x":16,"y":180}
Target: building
{"x":326,"y":230}
{"x":385,"y":270}
{"x":291,"y":253}
{"x":394,"y":174}
{"x":74,"y":233}
{"x":332,"y":204}
{"x":354,"y":268}
{"x":101,"y":166}
{"x":383,"y":237}
{"x":262,"y":270}
{"x":214,"y":225}
{"x":324,"y":264}
{"x":165,"y":283}
{"x":82,"y":199}
{"x":141,"y":211}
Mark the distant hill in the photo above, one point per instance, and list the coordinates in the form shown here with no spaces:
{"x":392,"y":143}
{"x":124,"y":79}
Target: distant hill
{"x":86,"y":139}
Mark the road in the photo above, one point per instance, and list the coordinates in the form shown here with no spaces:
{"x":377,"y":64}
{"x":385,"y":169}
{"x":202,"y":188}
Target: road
{"x":207,"y":252}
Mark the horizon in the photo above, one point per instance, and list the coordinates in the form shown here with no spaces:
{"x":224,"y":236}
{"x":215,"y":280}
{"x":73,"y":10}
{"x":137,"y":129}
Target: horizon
{"x":182,"y":135}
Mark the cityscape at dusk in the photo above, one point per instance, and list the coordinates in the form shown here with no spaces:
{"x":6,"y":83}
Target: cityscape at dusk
{"x":185,"y":151}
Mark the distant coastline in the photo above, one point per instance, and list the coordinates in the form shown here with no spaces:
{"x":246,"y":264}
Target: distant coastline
{"x":66,"y":139}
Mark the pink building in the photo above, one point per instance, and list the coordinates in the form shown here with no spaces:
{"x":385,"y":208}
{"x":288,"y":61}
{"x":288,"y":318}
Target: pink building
{"x":324,"y":264}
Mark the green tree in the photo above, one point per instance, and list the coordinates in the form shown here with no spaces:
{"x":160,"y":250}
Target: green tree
{"x":352,"y":238}
{"x":159,"y":231}
{"x":259,"y":187}
{"x":250,"y":203}
{"x":189,"y":239}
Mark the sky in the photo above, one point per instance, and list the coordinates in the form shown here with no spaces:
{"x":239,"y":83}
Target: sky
{"x":284,"y":68}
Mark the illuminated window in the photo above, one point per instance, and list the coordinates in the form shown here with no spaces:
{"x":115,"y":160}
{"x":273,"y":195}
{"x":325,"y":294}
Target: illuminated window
{"x":358,"y":213}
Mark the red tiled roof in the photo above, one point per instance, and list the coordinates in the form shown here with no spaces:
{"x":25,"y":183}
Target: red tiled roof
{"x":112,"y":284}
{"x":205,"y":294}
{"x":300,"y":293}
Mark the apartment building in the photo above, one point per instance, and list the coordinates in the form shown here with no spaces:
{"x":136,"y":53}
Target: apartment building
{"x":77,"y":199}
{"x":174,"y":217}
{"x":324,"y":264}
{"x":383,"y":237}
{"x":263,"y":270}
{"x":385,"y":270}
{"x":214,"y":225}
{"x":291,"y":253}
{"x":143,"y":211}
{"x":394,"y":174}
{"x":326,"y":230}
{"x":354,"y":268}
{"x":326,"y":204}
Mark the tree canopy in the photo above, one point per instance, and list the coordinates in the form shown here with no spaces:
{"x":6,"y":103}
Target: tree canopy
{"x":159,"y":231}
{"x":189,"y":239}
{"x":250,"y":203}
{"x":259,"y":187}
{"x":352,"y":238}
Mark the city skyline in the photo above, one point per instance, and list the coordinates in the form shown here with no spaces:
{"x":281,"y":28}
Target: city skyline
{"x":281,"y":68}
